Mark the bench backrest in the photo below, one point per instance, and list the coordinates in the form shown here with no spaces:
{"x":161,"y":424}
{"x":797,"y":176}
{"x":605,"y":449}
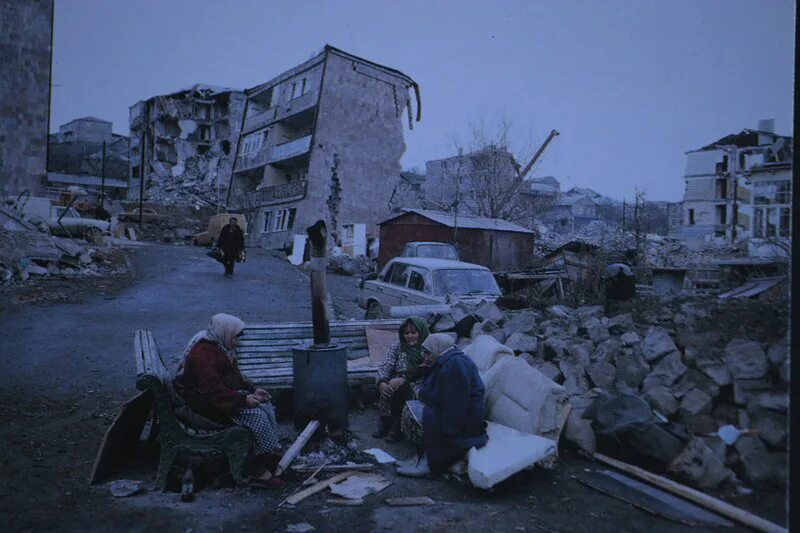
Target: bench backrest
{"x":151,"y":373}
{"x":265,"y":351}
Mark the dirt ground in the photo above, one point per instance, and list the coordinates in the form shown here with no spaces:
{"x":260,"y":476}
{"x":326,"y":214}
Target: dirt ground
{"x":67,"y":369}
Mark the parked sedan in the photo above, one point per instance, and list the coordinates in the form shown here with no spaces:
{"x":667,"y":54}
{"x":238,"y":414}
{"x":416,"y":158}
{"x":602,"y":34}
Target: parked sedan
{"x":67,"y":222}
{"x":412,"y":281}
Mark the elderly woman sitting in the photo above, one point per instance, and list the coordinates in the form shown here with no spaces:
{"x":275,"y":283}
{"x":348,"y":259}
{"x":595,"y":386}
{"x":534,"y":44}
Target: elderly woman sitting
{"x":212,"y":385}
{"x":453,"y":409}
{"x":397,"y":378}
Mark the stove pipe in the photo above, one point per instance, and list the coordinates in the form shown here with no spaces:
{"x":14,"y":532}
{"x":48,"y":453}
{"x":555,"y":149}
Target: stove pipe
{"x":318,"y":239}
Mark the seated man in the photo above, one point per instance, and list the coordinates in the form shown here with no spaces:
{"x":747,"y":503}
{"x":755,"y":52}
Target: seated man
{"x":453,"y":412}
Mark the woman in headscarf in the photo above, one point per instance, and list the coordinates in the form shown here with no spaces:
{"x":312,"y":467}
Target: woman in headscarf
{"x":397,"y":378}
{"x":212,"y":385}
{"x":453,"y":408}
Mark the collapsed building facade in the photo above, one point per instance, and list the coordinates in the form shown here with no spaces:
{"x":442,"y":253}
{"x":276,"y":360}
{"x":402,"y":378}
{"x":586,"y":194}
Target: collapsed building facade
{"x":182,"y":145}
{"x":739,"y":188}
{"x":321,"y":140}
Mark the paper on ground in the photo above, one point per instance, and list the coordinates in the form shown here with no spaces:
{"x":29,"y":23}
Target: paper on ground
{"x":507,"y":452}
{"x":357,"y":486}
{"x":381,"y":456}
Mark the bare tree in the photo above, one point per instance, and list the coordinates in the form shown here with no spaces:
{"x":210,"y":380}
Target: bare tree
{"x":484,"y":180}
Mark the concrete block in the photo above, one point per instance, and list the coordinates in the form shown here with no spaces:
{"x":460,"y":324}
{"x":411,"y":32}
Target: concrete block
{"x":522,"y":342}
{"x":778,"y":352}
{"x":698,"y":465}
{"x":772,"y":427}
{"x":630,"y":338}
{"x":607,"y":350}
{"x":666,"y":372}
{"x":714,"y":368}
{"x":758,"y":466}
{"x":693,"y":379}
{"x":657,"y":343}
{"x":560,"y":311}
{"x":602,"y":374}
{"x":522,"y":322}
{"x":745,"y":359}
{"x":554,"y":348}
{"x":745,"y":389}
{"x":578,"y":430}
{"x":785,"y":372}
{"x":621,"y":324}
{"x":695,"y":402}
{"x":632,"y":369}
{"x":662,"y":400}
{"x":773,"y":401}
{"x":700,"y":424}
{"x":507,"y":452}
{"x":587,"y":311}
{"x":489,"y":311}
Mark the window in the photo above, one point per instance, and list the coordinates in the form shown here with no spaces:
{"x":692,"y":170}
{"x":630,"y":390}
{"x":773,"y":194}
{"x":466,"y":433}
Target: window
{"x":202,"y":111}
{"x":758,"y":222}
{"x":399,"y":274}
{"x":416,"y":281}
{"x":722,"y":167}
{"x":785,"y":226}
{"x":284,"y":219}
{"x":298,"y":88}
{"x":722,"y":188}
{"x":204,"y":133}
{"x":267,"y":221}
{"x":691,"y":217}
{"x":771,"y":220}
{"x":253,"y":142}
{"x":722,"y":214}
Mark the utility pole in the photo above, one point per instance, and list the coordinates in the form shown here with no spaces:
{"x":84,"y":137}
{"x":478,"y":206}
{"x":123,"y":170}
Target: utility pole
{"x":103,"y":176}
{"x":455,"y":212}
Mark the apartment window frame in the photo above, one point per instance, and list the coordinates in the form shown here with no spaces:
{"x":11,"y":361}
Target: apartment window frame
{"x":267,"y":221}
{"x":284,"y":219}
{"x":254,"y":142}
{"x":690,"y":216}
{"x":299,"y":88}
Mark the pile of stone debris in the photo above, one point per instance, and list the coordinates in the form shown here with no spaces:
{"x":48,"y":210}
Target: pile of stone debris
{"x":660,"y":389}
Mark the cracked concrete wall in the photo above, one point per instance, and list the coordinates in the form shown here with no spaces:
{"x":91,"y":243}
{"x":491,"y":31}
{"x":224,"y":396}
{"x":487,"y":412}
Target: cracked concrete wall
{"x":26,"y":29}
{"x":359,"y":139}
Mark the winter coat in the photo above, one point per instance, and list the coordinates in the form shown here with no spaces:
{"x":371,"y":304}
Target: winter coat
{"x":452,"y":420}
{"x":231,"y":240}
{"x":211,"y":384}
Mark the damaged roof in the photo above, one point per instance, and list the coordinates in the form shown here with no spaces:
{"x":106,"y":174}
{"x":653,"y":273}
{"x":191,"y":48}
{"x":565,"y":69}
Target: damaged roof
{"x":744,"y":139}
{"x":464,"y":221}
{"x":753,"y":287}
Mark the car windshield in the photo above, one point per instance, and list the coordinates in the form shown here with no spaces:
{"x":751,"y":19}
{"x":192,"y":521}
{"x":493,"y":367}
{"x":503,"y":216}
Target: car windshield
{"x":437,"y":251}
{"x":462,"y":281}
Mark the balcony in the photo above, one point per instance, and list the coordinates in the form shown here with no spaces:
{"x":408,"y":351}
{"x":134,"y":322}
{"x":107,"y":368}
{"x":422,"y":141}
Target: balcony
{"x":297,"y":105}
{"x":248,"y":161}
{"x":284,"y":192}
{"x":259,"y":120}
{"x":290,"y":149}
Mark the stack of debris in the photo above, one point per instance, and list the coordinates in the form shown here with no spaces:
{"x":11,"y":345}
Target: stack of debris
{"x":633,"y":386}
{"x":28,"y":253}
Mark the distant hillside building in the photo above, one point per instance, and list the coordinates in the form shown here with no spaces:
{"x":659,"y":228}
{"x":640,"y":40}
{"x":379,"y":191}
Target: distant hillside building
{"x":26,"y":33}
{"x":322,"y":140}
{"x":75,"y":156}
{"x":182,"y":145}
{"x":740,"y":187}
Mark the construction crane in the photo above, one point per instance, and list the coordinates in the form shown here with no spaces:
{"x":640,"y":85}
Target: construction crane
{"x":538,"y":153}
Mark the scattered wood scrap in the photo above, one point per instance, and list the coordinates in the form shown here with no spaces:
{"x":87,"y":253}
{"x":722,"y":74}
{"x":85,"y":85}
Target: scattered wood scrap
{"x":332,"y":468}
{"x":295,"y":448}
{"x":408,"y":501}
{"x":318,"y":487}
{"x":696,"y":496}
{"x":346,"y":502}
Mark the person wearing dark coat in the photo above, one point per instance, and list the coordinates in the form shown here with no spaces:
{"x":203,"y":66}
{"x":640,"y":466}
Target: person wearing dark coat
{"x":231,"y":242}
{"x":454,"y":409}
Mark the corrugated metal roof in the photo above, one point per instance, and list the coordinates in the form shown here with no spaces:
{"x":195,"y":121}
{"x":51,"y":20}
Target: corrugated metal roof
{"x":753,"y":288}
{"x":464,"y":221}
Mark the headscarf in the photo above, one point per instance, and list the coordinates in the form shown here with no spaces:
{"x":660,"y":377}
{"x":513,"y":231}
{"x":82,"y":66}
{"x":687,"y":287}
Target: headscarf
{"x":414,"y":353}
{"x":222,"y":329}
{"x":438,"y":343}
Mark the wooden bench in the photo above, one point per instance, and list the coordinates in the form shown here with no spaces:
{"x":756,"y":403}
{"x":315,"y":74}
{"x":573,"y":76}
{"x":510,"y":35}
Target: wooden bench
{"x":176,"y":432}
{"x":265,"y":351}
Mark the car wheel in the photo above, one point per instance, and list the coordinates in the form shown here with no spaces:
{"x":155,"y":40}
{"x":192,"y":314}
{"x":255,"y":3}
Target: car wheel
{"x":374,"y":311}
{"x":90,"y":234}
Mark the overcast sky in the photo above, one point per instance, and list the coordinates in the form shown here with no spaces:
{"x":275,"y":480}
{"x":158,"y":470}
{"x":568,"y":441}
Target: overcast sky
{"x":630,"y":85}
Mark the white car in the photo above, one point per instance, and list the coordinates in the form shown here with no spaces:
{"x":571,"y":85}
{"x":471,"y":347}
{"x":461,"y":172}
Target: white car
{"x":413,"y":281}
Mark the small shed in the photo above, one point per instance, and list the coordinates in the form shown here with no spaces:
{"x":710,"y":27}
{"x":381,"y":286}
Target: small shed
{"x":572,"y":257}
{"x":494,"y":243}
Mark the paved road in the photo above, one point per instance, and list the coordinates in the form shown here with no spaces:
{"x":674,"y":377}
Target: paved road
{"x":175,"y":291}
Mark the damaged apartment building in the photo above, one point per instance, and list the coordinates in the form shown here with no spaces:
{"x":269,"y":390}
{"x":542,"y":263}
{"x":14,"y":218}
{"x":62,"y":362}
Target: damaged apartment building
{"x":739,"y":188}
{"x":321,"y":140}
{"x":182,"y":145}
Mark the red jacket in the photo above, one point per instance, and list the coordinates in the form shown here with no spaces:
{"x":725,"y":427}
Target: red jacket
{"x":211,"y":383}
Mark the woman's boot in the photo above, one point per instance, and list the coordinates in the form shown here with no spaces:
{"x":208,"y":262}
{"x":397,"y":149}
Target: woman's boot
{"x":396,"y":433}
{"x":383,"y":427}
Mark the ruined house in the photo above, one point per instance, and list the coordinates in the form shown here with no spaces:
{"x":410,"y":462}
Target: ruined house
{"x":26,"y":32}
{"x":321,"y":140}
{"x":182,"y":145}
{"x":75,"y":157}
{"x":484,"y":182}
{"x":739,"y":188}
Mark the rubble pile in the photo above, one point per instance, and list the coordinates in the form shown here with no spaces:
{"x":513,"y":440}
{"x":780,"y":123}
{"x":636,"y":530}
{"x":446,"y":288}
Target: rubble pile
{"x":659,"y":386}
{"x":26,"y":254}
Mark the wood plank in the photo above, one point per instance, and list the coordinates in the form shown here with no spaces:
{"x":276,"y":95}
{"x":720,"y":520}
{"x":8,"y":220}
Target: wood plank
{"x":137,"y":352}
{"x":378,"y":342}
{"x":319,"y":487}
{"x":696,"y":496}
{"x":296,"y":446}
{"x":334,"y":324}
{"x":405,"y":501}
{"x":332,"y":468}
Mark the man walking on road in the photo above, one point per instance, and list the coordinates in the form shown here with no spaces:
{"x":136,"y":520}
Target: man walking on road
{"x":231,"y":241}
